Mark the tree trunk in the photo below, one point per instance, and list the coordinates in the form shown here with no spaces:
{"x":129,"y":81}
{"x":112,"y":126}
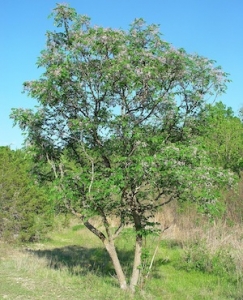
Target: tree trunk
{"x":136,"y":263}
{"x":110,"y":247}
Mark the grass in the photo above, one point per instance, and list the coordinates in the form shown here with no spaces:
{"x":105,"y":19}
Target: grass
{"x":72,"y":264}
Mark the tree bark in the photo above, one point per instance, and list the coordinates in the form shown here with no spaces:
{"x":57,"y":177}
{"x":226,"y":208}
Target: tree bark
{"x":110,"y":247}
{"x":136,"y":263}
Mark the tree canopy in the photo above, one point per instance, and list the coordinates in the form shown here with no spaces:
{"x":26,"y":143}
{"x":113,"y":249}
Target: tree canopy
{"x":115,"y":122}
{"x":222,"y":136}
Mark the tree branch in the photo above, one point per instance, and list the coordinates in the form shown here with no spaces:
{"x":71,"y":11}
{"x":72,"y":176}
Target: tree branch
{"x":87,"y":224}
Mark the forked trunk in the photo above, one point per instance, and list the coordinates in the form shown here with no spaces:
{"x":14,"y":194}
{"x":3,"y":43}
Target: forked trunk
{"x":137,"y":262}
{"x":110,"y":247}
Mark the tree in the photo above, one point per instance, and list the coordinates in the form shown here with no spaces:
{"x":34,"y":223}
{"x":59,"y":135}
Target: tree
{"x":222,"y":136}
{"x":115,"y":123}
{"x":25,"y":213}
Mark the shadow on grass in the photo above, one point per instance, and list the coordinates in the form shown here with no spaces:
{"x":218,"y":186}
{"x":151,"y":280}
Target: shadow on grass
{"x":81,"y":260}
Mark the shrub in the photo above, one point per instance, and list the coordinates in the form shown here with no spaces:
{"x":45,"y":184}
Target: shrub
{"x":25,"y":209}
{"x":198,"y":257}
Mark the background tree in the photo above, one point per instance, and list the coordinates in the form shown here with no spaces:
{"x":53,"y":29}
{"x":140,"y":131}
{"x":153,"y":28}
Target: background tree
{"x":115,"y":123}
{"x":25,"y":210}
{"x":222,"y":136}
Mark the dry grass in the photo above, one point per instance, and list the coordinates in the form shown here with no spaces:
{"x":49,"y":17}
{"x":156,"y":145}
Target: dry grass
{"x":189,"y":227}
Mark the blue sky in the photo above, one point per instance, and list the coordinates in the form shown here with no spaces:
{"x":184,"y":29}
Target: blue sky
{"x":212,"y":28}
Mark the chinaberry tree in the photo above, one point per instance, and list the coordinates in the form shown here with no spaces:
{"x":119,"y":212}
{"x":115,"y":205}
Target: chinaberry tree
{"x":115,"y":123}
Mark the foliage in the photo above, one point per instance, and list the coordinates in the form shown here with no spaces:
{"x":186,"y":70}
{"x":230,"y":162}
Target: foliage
{"x":116,"y":123}
{"x":25,"y":213}
{"x":222,"y":136}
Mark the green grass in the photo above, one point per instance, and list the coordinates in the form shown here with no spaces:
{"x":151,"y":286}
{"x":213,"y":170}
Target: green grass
{"x":72,"y":264}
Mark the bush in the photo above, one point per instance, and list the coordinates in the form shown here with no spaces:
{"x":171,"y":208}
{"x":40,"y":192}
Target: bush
{"x":25,"y":209}
{"x":198,"y":257}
